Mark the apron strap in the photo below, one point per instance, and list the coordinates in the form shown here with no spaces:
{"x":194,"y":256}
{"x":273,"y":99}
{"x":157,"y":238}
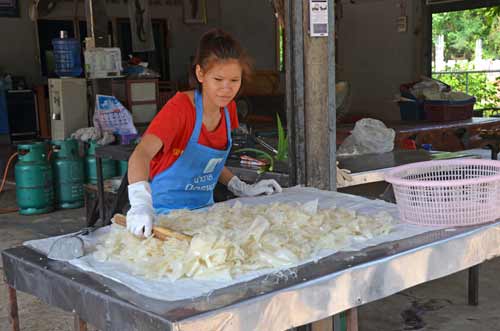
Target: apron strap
{"x":198,"y":102}
{"x":228,"y":127}
{"x":195,"y":136}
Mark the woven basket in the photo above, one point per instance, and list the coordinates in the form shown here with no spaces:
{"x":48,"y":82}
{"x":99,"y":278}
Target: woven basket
{"x":447,"y":193}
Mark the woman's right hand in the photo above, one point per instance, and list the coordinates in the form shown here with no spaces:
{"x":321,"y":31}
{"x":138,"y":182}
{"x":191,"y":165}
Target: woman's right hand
{"x":141,"y":215}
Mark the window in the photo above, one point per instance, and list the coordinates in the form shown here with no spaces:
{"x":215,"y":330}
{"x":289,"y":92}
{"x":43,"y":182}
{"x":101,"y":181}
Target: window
{"x":466,"y":53}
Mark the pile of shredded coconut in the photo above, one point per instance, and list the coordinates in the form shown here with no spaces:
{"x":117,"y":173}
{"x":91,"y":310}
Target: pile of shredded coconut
{"x":228,"y":241}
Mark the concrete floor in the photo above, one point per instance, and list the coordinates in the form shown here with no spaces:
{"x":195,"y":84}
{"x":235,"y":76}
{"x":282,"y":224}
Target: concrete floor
{"x":14,"y":230}
{"x":437,"y":305}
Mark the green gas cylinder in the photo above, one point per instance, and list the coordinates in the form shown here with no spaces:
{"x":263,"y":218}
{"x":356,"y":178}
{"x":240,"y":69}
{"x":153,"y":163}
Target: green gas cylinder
{"x":108,"y":165}
{"x":68,"y":174}
{"x":122,"y":167}
{"x":33,"y":174}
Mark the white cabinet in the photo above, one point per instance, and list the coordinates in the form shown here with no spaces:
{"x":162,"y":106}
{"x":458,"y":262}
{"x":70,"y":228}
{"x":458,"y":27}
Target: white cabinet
{"x":68,"y":106}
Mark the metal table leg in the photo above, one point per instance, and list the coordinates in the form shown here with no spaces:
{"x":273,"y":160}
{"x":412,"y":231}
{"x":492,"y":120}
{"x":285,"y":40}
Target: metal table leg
{"x":13,"y":312}
{"x":495,"y":149}
{"x":473,"y":285}
{"x":345,"y":321}
{"x":121,"y":196}
{"x":100,"y":190}
{"x":93,"y":213}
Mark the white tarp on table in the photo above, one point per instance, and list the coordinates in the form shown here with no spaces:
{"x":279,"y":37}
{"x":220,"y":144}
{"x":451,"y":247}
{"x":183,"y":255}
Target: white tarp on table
{"x":168,"y":290}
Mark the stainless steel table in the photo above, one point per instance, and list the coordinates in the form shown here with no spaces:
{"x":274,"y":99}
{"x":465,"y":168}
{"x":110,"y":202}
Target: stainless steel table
{"x":304,"y":294}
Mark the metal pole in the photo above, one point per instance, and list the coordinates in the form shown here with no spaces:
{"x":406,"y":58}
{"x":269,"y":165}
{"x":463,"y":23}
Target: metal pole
{"x":100,"y":190}
{"x":294,"y":66}
{"x":287,"y":19}
{"x":473,"y":286}
{"x":13,"y":312}
{"x":90,"y":18}
{"x":97,"y":28}
{"x":467,"y":83}
{"x":97,"y":22}
{"x":332,"y":115}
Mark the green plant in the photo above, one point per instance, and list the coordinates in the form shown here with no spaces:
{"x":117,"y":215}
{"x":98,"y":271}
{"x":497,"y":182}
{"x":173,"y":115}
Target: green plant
{"x":485,"y":91}
{"x":282,"y":154}
{"x":461,"y":29}
{"x":282,"y":141}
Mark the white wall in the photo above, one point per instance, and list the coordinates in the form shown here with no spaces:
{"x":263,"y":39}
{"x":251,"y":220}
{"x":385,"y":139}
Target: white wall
{"x":374,"y":57}
{"x":251,"y":22}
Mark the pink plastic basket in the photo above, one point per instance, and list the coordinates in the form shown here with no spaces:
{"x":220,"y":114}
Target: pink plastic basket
{"x":447,"y":193}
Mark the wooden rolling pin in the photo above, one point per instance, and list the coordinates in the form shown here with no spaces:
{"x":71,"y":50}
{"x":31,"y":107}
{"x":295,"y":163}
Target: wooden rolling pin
{"x":159,"y":232}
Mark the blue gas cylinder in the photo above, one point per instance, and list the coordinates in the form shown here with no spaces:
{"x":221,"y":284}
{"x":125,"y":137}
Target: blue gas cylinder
{"x":67,"y":56}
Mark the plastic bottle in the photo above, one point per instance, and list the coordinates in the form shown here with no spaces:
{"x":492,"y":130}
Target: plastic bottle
{"x":67,"y":56}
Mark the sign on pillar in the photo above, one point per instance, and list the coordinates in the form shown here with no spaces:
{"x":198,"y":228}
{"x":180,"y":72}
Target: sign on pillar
{"x":318,"y":18}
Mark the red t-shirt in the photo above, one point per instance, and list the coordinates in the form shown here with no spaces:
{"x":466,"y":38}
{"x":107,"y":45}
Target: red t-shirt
{"x":174,"y":125}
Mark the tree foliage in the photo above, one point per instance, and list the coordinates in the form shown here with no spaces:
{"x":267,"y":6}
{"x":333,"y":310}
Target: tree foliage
{"x":461,"y":29}
{"x":486,"y":93}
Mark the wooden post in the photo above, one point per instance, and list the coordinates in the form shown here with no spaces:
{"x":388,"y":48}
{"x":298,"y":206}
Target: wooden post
{"x":79,"y":324}
{"x":294,"y":71}
{"x":317,"y":78}
{"x":352,"y":319}
{"x":97,"y":22}
{"x":43,"y":113}
{"x":310,"y":100}
{"x":423,"y":44}
{"x":323,"y":325}
{"x":13,"y":313}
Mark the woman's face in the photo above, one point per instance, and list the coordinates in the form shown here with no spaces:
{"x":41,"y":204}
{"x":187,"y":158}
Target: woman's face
{"x":221,"y":82}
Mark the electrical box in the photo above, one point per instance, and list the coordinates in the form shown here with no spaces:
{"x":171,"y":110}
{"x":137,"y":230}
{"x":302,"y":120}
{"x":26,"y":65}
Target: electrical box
{"x":103,"y":62}
{"x":68,"y":106}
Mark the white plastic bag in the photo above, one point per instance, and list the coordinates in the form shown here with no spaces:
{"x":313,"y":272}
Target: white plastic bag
{"x":368,"y":136}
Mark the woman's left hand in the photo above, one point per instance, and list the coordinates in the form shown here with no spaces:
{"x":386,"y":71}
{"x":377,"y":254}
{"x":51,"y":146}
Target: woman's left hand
{"x":242,"y":189}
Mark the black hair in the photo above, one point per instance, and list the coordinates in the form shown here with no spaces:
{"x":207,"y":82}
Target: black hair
{"x":217,"y":45}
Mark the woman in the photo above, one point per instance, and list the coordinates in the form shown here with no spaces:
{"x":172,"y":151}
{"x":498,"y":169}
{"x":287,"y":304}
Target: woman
{"x":186,"y":145}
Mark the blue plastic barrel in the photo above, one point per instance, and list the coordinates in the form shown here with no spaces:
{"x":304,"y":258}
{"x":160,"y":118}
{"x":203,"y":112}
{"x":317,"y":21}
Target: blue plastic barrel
{"x":67,"y":56}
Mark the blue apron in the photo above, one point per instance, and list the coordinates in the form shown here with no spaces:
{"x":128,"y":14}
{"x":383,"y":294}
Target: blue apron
{"x":189,"y":182}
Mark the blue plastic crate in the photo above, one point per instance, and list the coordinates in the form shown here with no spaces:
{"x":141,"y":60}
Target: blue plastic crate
{"x":412,"y":110}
